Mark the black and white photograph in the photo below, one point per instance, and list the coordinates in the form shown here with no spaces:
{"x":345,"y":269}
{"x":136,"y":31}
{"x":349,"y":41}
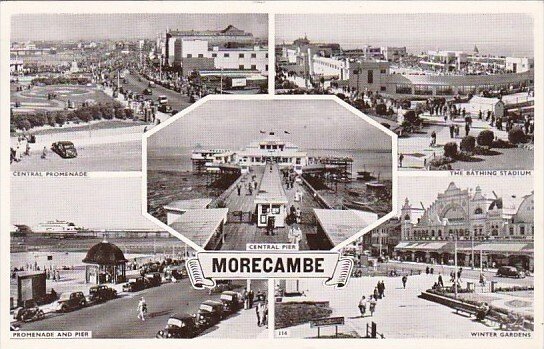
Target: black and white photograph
{"x":460,"y":256}
{"x":113,"y":272}
{"x":457,"y":89}
{"x":310,"y":173}
{"x":83,"y":91}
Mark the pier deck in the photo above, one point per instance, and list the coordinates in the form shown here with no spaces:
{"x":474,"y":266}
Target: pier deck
{"x":238,"y":234}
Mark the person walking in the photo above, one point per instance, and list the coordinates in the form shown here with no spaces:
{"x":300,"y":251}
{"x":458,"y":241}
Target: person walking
{"x":251,"y":296}
{"x":452,"y":130}
{"x":258,"y":313}
{"x":404,"y":280}
{"x":372,"y":305}
{"x":238,"y":189}
{"x":376,"y":293}
{"x":401,"y":157}
{"x":142,"y":309}
{"x":440,"y":280}
{"x":382,"y":289}
{"x":467,"y":128}
{"x":362,"y":306}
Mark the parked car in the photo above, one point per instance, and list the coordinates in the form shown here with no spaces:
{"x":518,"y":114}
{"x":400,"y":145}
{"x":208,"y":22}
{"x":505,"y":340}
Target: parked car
{"x":509,"y":271}
{"x":232,"y":301}
{"x":210,"y":313}
{"x":165,"y":108}
{"x":179,"y":326}
{"x":71,"y":301}
{"x":147,"y":91}
{"x":135,"y":284}
{"x":65,"y":149}
{"x":153,"y":279}
{"x":29,"y":312}
{"x":162,"y":100}
{"x":101,"y":293}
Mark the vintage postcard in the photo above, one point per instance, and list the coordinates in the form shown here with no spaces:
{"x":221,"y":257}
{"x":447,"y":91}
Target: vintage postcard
{"x":272,"y":174}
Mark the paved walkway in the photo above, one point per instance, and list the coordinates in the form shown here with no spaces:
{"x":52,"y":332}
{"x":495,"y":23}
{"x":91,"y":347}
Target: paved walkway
{"x":417,"y":148}
{"x":240,"y":234}
{"x":400,"y":314}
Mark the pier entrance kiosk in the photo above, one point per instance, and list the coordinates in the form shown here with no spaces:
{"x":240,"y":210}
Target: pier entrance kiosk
{"x":271,"y":200}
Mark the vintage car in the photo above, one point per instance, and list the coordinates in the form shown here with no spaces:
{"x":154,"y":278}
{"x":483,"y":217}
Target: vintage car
{"x":70,"y":301}
{"x":135,"y":284}
{"x":179,"y":326}
{"x":510,"y":271}
{"x":153,"y":279}
{"x":147,"y":91}
{"x":65,"y":149}
{"x":162,"y":100}
{"x":101,"y":293}
{"x":165,"y":108}
{"x":29,"y":312}
{"x":232,"y":301}
{"x":210,"y":313}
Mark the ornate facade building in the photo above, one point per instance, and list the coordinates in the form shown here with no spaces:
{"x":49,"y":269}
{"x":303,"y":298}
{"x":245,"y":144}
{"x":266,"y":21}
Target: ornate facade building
{"x":489,"y":230}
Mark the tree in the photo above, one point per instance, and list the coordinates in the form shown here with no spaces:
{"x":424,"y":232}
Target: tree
{"x":468,"y":144}
{"x":485,"y":138}
{"x":60,"y":118}
{"x":450,"y":150}
{"x":516,"y":135}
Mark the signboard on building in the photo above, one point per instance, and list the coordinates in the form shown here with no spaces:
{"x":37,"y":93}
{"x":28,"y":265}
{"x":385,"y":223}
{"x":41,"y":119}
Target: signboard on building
{"x":239,"y":82}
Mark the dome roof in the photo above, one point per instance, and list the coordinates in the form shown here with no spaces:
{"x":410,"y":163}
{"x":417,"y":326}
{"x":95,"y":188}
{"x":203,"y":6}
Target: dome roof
{"x":105,"y":253}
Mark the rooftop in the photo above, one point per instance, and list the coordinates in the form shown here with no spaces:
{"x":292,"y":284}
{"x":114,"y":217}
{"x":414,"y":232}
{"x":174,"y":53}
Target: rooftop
{"x":184,"y":205}
{"x":271,"y":189}
{"x":340,"y":225}
{"x":199,"y":225}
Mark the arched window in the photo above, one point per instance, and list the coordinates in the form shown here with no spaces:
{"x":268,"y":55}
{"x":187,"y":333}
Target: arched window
{"x":407,"y":218}
{"x":478,"y":211}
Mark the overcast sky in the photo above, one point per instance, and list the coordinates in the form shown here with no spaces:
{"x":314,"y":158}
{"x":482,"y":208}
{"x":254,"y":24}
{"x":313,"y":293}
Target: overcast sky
{"x":316,"y":124}
{"x":127,"y":26}
{"x":99,"y":203}
{"x":504,"y":34}
{"x":425,"y":189}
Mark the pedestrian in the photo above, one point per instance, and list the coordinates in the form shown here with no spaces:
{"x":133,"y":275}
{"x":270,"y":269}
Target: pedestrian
{"x":251,"y":296}
{"x":382,"y":290}
{"x":258,"y":313}
{"x":246,"y":299}
{"x":401,"y":157}
{"x":427,"y":270}
{"x":44,"y":152}
{"x":433,"y":139}
{"x":440,"y":280}
{"x":362,"y":306}
{"x":404,"y":279}
{"x":372,"y":305}
{"x":467,"y":129}
{"x":238,"y":188}
{"x":452,"y":130}
{"x":142,"y":309}
{"x":376,"y":293}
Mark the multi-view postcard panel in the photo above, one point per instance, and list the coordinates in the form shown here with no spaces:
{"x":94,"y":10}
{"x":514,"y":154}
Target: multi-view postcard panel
{"x":305,"y":172}
{"x":82,"y":100}
{"x":466,"y":232}
{"x":328,"y":167}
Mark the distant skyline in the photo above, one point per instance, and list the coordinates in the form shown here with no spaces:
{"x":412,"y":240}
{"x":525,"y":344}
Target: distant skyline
{"x":311,"y":124}
{"x":95,"y":203}
{"x":418,"y":189}
{"x":508,"y":34}
{"x":127,"y":25}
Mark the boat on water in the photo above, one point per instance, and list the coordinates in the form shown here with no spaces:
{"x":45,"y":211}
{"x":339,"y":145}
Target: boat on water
{"x":365,"y":175}
{"x":375,"y":185}
{"x":358,"y":205}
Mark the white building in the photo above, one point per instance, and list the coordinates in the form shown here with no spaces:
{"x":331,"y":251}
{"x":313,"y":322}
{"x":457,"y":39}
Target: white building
{"x":519,"y":65}
{"x":242,"y":58}
{"x":393,"y":54}
{"x":333,"y":67}
{"x":272,"y":149}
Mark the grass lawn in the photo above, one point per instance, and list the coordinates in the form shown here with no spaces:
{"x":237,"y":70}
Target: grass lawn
{"x":292,"y":314}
